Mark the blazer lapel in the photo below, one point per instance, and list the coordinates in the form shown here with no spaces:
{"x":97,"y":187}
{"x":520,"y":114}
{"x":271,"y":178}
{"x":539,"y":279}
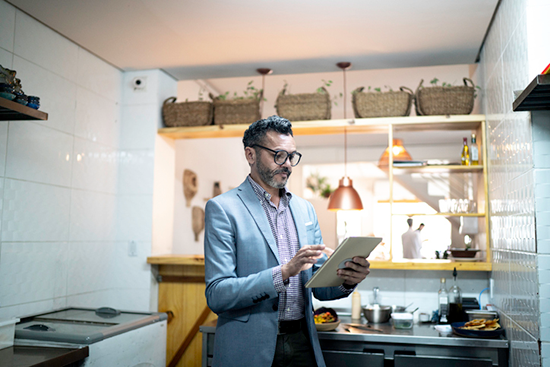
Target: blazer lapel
{"x":250,"y":201}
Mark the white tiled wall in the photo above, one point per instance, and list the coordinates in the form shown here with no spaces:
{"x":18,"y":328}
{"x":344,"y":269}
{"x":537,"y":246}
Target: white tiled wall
{"x":518,"y":188}
{"x":75,"y":190}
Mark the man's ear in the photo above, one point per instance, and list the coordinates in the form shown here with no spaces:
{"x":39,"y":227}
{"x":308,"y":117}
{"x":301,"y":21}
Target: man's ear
{"x":250,"y":155}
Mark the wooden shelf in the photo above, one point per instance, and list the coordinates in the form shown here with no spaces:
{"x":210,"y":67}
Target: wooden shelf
{"x":324,"y":127}
{"x":432,"y":265}
{"x":440,"y":169}
{"x":13,"y":111}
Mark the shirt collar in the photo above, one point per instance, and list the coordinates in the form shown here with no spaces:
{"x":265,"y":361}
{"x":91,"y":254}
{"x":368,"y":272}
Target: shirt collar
{"x":261,"y":193}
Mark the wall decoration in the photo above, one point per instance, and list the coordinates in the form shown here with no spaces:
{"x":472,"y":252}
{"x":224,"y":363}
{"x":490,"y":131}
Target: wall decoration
{"x":217,"y":189}
{"x":197,"y":221}
{"x":190,"y":186}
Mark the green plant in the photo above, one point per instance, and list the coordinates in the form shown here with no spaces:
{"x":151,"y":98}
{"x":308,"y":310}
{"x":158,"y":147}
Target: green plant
{"x":250,"y":92}
{"x":318,"y":185}
{"x":328,"y":83}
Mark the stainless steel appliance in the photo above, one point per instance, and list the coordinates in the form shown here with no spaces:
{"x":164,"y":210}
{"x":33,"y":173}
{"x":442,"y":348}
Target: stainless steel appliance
{"x":114,"y":337}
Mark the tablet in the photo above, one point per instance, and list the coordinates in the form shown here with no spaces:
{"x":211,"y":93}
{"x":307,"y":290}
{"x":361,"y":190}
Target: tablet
{"x":326,"y":276}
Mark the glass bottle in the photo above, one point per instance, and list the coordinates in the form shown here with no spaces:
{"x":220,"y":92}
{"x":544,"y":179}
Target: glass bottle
{"x":474,"y":152}
{"x":443,"y":302}
{"x":455,"y":302}
{"x":465,"y":153}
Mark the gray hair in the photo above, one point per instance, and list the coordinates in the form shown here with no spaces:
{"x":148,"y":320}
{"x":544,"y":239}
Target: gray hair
{"x":256,"y":131}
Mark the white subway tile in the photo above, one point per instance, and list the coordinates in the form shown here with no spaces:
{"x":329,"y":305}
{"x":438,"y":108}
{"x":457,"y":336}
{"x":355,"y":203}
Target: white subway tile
{"x":95,"y":167}
{"x":35,"y":212}
{"x":91,"y":266}
{"x":45,"y":47}
{"x":57,"y":94}
{"x":7,"y":26}
{"x":97,"y":76}
{"x":97,"y":118}
{"x":134,"y":218}
{"x":139,"y":126}
{"x":32,"y":272}
{"x":3,"y":146}
{"x":136,"y":169}
{"x":6,"y":58}
{"x":40,"y":154}
{"x":93,"y":216}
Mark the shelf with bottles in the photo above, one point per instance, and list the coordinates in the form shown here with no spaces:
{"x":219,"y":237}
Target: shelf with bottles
{"x":448,"y":187}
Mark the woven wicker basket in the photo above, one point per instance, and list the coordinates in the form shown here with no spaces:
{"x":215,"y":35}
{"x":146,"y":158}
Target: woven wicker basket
{"x":236,"y":111}
{"x":197,"y":113}
{"x":445,"y":100}
{"x":304,"y":106}
{"x":382,"y":104}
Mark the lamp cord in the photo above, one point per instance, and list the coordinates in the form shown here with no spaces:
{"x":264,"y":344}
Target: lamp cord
{"x":345,"y":152}
{"x":344,"y":71}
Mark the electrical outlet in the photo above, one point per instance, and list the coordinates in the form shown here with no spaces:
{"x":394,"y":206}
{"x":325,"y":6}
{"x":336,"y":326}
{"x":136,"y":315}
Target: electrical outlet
{"x":132,"y":248}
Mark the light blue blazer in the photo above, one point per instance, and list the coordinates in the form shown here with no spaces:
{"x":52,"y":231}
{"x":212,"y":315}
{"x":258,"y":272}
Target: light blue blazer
{"x":240,"y":252}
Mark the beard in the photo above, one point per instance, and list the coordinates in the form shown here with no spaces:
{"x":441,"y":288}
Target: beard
{"x":268,"y":176}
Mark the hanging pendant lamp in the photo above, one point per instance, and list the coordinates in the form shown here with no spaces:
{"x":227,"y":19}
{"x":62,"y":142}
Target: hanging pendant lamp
{"x":345,"y":197}
{"x":263,"y":72}
{"x":399,"y":154}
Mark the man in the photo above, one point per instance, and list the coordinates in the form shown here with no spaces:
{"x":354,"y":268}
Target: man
{"x":411,"y":241}
{"x":261,"y":245}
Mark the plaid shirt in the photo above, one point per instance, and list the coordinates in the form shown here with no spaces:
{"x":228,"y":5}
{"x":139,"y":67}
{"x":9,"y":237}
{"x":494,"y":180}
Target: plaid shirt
{"x":291,"y":293}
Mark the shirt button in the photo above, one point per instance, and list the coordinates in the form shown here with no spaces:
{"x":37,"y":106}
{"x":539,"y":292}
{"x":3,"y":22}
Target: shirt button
{"x":288,"y":309}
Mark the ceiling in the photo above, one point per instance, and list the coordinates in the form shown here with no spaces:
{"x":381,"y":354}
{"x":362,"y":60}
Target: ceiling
{"x":203,"y":39}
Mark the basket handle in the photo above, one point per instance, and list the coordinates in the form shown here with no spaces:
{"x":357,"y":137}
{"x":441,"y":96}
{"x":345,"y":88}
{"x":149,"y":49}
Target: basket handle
{"x":212,"y":96}
{"x":406,"y":90}
{"x":469,"y":80}
{"x":358,"y":90}
{"x":169,"y":100}
{"x":415,"y":98}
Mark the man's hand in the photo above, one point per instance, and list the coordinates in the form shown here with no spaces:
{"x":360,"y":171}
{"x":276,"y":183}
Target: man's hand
{"x":304,"y":259}
{"x":355,"y":272}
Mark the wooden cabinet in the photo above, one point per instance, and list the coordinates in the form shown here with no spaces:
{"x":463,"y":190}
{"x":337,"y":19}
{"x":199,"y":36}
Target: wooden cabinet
{"x":393,"y":127}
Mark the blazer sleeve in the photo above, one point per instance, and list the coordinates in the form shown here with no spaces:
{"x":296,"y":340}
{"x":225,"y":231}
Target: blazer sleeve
{"x":225,"y":290}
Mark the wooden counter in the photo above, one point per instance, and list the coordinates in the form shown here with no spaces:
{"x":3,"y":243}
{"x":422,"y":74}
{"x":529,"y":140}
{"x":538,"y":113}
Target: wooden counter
{"x":181,"y":296}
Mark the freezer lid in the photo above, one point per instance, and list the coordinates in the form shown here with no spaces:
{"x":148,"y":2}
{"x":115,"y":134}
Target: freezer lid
{"x":83,"y":325}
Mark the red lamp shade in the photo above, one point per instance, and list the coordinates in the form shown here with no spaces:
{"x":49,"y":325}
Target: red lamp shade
{"x":345,"y":197}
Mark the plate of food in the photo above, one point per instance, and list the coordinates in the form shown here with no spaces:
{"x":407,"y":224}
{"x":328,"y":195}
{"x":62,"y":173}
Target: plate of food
{"x":478,"y":328}
{"x":326,"y":319}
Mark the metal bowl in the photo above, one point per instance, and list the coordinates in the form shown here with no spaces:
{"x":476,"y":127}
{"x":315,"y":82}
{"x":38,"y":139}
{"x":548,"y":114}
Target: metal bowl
{"x":377,"y":314}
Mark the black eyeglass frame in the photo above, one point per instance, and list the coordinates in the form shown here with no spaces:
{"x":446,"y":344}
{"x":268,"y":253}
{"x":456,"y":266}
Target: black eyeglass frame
{"x":276,"y":152}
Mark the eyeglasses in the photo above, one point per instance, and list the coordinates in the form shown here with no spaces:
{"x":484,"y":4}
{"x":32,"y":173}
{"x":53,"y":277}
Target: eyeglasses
{"x":281,"y":156}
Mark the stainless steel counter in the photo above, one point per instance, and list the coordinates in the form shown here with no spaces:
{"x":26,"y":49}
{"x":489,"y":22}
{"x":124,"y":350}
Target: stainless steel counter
{"x":420,"y":346}
{"x":424,"y":334}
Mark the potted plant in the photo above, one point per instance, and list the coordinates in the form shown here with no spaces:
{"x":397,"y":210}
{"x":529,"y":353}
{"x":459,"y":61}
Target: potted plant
{"x":305,"y":106}
{"x":239,"y":109}
{"x":445,"y":99}
{"x":376,"y":103}
{"x":188,"y":113}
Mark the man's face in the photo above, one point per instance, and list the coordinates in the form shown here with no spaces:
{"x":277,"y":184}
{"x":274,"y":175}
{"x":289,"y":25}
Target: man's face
{"x":271,"y":173}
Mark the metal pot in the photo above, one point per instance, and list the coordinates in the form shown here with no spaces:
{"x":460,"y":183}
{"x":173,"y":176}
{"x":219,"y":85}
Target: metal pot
{"x":377,"y":314}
